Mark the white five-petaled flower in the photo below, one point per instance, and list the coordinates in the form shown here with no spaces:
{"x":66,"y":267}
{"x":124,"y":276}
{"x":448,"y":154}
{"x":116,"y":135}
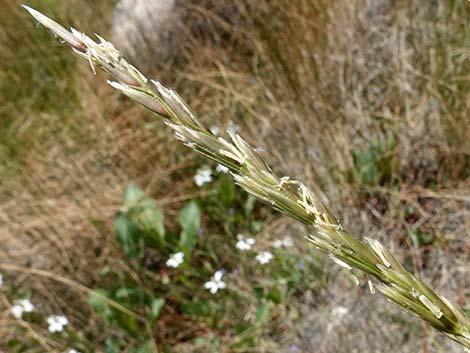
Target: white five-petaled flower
{"x":221,"y":169}
{"x":243,"y":243}
{"x":203,"y":175}
{"x":175,"y":260}
{"x":216,"y":282}
{"x":57,"y":323}
{"x":20,"y":307}
{"x":264,"y":257}
{"x":286,"y":242}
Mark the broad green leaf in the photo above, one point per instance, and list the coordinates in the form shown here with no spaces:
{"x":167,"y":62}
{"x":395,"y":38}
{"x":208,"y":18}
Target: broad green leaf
{"x":149,"y":218}
{"x":97,"y":301}
{"x":132,"y":195}
{"x":262,"y":313}
{"x":190,"y":222}
{"x":126,"y":322}
{"x":157,"y":305}
{"x":130,"y":236}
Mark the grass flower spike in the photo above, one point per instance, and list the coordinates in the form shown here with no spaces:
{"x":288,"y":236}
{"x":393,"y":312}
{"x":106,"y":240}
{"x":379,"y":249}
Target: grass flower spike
{"x":284,"y":194}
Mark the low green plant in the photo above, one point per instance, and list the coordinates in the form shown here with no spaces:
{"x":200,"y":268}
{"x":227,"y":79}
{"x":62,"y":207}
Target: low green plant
{"x":232,"y":298}
{"x":289,"y":196}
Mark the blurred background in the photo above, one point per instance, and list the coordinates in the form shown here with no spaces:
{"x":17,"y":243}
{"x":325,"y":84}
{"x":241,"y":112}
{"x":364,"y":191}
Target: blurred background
{"x":366,"y":100}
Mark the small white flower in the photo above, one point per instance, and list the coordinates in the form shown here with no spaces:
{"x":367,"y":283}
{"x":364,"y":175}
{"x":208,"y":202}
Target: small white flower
{"x":203,"y":175}
{"x":27,"y":305}
{"x":243,"y":243}
{"x":216,"y":282}
{"x":214,"y":129}
{"x":175,"y":260}
{"x":264,"y":257}
{"x":57,"y":323}
{"x":73,"y":351}
{"x":1,"y":281}
{"x":277,"y":244}
{"x":17,"y":311}
{"x":287,"y":242}
{"x":21,"y":306}
{"x":221,"y":169}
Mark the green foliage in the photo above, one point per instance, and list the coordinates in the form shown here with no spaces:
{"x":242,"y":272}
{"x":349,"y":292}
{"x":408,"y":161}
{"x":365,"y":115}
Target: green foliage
{"x":130,"y":236}
{"x":16,"y":346}
{"x":99,"y":301}
{"x":145,"y":212}
{"x":140,"y":224}
{"x":262,"y":313}
{"x":419,"y":238}
{"x":190,"y":221}
{"x":374,"y":165}
{"x":156,"y":308}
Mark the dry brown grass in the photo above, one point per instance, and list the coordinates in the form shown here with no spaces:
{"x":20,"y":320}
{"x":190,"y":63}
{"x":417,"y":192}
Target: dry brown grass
{"x":312,"y":84}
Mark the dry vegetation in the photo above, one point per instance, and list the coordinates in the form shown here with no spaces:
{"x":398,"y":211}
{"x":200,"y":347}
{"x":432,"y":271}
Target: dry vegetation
{"x":367,"y":100}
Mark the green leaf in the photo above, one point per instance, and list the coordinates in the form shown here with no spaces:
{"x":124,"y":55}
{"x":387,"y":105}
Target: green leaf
{"x":16,"y":346}
{"x":111,"y":346}
{"x":419,"y":238}
{"x":146,"y":215}
{"x":130,"y":236}
{"x":190,"y":222}
{"x":144,"y":348}
{"x":149,"y":218}
{"x":274,"y":295}
{"x":157,"y":305}
{"x":226,"y":190}
{"x":249,"y":205}
{"x":262,"y":313}
{"x":126,"y":322}
{"x":197,"y":307}
{"x":132,"y":195}
{"x":97,"y":300}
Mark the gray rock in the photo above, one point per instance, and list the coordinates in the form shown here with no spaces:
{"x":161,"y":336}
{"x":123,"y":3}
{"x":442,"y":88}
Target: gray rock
{"x":143,"y":29}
